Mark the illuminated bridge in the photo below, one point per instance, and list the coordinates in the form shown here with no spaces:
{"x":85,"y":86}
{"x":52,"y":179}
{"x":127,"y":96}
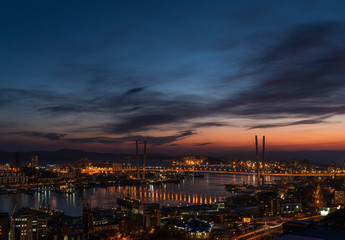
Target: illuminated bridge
{"x":260,"y":172}
{"x":230,"y":171}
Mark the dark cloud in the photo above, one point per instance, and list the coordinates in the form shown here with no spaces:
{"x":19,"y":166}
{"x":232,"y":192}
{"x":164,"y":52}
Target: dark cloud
{"x":50,"y":136}
{"x":311,"y":38}
{"x":9,"y":95}
{"x":134,"y":90}
{"x":168,"y":139}
{"x":302,"y":122}
{"x":47,"y":101}
{"x":140,"y":123}
{"x":137,"y":113}
{"x":63,"y":109}
{"x":301,"y":76}
{"x":133,"y":109}
{"x":156,"y":141}
{"x":203,"y":144}
{"x":103,"y":140}
{"x":54,"y":136}
{"x":209,"y":124}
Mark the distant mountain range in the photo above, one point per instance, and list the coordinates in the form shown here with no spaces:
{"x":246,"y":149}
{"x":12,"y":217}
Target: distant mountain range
{"x":321,"y":157}
{"x":71,"y":155}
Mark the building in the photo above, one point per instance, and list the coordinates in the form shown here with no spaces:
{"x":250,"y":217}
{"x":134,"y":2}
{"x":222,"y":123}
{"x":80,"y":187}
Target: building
{"x":26,"y":225}
{"x":16,"y":161}
{"x":12,"y":177}
{"x":4,"y":226}
{"x":128,"y":204}
{"x":339,"y":197}
{"x":151,"y":215}
{"x":116,"y":166}
{"x":291,"y":208}
{"x":269,"y":204}
{"x":198,"y":229}
{"x":34,"y":161}
{"x":129,"y":226}
{"x":88,"y":218}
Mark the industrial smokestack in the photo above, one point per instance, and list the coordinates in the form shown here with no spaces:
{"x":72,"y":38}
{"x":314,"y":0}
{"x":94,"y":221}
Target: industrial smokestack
{"x":263,"y":160}
{"x":137,"y":155}
{"x":144,"y":163}
{"x":257,"y":160}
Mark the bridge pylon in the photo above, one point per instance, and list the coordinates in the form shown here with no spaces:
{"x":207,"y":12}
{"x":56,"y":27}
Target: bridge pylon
{"x":138,"y":161}
{"x":263,"y":161}
{"x":260,"y":173}
{"x":257,"y":161}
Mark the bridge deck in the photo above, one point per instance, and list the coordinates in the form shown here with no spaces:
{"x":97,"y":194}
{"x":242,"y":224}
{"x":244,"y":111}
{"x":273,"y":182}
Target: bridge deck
{"x":224,"y":171}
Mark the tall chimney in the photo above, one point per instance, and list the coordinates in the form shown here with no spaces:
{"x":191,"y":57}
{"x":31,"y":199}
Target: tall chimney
{"x":257,"y":160}
{"x":138,"y":173}
{"x":263,"y":160}
{"x":144,"y":163}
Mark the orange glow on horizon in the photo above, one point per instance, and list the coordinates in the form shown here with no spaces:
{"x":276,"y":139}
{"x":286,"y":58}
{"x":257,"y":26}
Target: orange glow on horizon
{"x":207,"y":140}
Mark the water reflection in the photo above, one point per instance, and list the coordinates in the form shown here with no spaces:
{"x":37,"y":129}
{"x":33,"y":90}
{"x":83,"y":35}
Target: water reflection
{"x":164,"y":194}
{"x":191,"y":191}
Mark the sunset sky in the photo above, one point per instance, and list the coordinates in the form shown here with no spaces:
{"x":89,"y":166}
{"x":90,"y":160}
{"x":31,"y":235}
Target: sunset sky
{"x":187,"y":76}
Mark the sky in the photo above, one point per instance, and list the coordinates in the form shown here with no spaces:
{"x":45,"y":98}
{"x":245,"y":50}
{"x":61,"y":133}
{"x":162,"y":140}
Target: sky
{"x":187,"y":76}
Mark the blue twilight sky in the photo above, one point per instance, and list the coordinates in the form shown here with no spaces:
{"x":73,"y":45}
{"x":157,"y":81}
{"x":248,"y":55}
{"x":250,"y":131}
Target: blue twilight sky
{"x":96,"y":75}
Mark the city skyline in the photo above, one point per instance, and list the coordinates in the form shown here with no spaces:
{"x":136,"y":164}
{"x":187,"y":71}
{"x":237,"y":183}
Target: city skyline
{"x":196,"y":76}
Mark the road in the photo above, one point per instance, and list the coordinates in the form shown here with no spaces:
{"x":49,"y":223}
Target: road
{"x":257,"y":234}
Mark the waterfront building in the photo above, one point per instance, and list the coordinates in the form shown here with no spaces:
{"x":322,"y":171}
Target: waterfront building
{"x":4,"y":226}
{"x":128,"y":203}
{"x":151,"y":215}
{"x":12,"y":177}
{"x":198,"y":229}
{"x":88,"y":218}
{"x":269,"y":204}
{"x":26,"y":225}
{"x":116,"y":166}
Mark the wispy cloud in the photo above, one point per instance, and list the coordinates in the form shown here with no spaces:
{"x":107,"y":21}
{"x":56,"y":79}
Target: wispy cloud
{"x":50,"y":136}
{"x":209,"y":124}
{"x":140,"y":123}
{"x":203,"y":144}
{"x":301,"y":122}
{"x":134,"y":90}
{"x":300,"y":76}
{"x":152,"y":140}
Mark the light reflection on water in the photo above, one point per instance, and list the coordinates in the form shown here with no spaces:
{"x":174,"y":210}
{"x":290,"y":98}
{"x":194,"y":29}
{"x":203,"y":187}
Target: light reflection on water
{"x":190,"y":191}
